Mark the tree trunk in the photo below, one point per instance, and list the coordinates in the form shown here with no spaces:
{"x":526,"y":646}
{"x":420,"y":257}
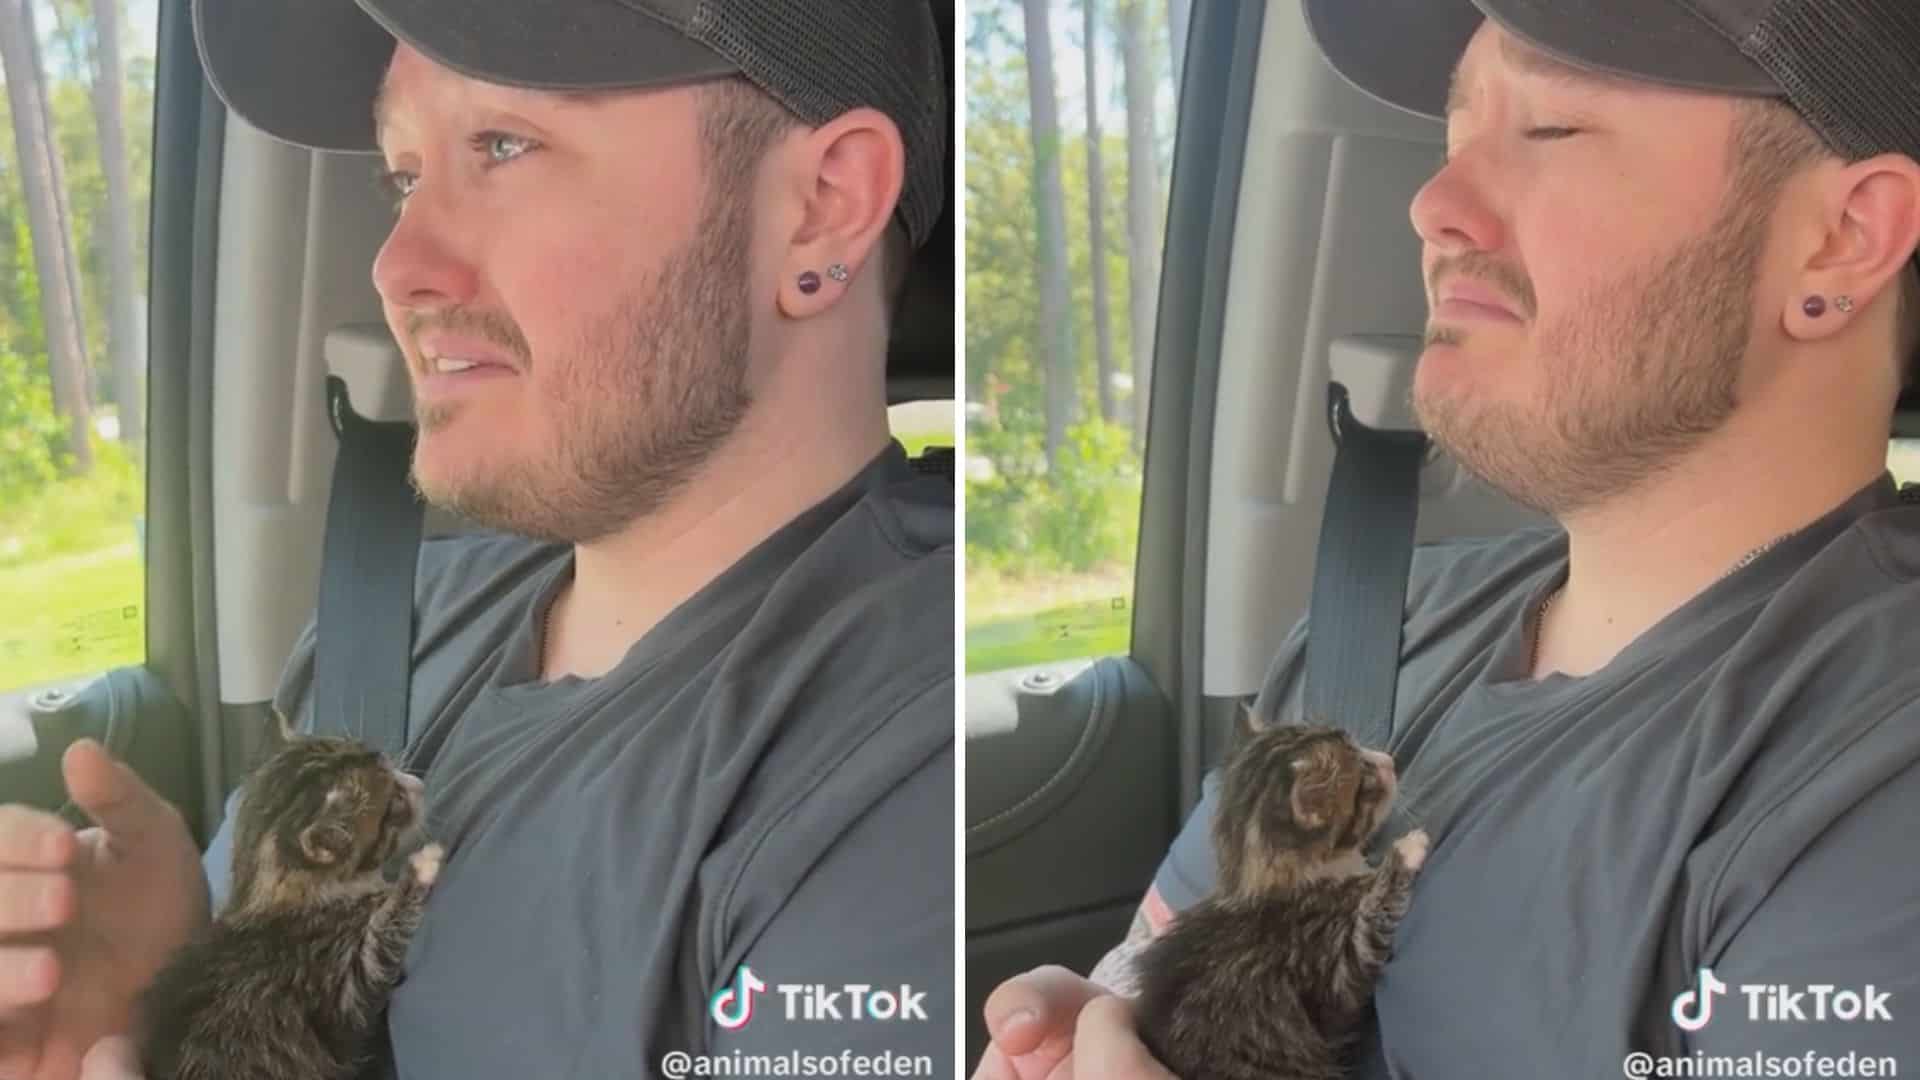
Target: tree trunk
{"x":1179,"y":17}
{"x":1097,"y":219}
{"x":122,"y":325}
{"x":1144,"y":236}
{"x":1050,"y":205}
{"x":62,"y":191}
{"x":40,"y":176}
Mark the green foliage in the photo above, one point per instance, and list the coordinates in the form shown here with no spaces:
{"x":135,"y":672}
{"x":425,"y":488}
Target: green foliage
{"x":66,"y":29}
{"x":75,"y":515}
{"x":1049,"y":547}
{"x":1083,"y":515}
{"x":32,"y":438}
{"x":1092,"y":512}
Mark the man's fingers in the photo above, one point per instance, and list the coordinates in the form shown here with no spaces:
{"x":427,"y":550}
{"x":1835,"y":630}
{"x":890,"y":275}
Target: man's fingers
{"x":1106,"y":1045}
{"x":111,"y":793}
{"x":23,"y":1049}
{"x":28,"y":975}
{"x":32,"y":901}
{"x":994,"y":1066}
{"x":1028,"y":1010}
{"x":33,"y":839}
{"x":112,"y":1058}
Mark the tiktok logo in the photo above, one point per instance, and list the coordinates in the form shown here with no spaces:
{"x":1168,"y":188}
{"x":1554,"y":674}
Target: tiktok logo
{"x":1692,"y":1009}
{"x":732,"y":1006}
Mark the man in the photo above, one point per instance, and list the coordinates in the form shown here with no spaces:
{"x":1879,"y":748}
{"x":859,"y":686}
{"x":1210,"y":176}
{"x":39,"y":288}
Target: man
{"x":1666,"y":257}
{"x":695,"y":736}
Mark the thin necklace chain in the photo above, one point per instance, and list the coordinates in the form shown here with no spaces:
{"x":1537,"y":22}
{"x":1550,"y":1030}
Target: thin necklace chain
{"x":1540,"y":613}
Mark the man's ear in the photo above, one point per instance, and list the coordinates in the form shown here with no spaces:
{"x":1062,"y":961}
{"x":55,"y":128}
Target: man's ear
{"x":846,"y":177}
{"x":1871,"y":230}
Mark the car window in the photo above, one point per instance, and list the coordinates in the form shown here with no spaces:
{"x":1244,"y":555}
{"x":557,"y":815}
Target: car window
{"x":922,"y":424}
{"x":1070,"y":116}
{"x":74,"y":181}
{"x":1903,"y":459}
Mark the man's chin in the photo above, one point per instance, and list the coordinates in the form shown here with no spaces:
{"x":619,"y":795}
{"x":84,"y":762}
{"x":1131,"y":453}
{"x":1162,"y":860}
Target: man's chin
{"x":462,"y":488}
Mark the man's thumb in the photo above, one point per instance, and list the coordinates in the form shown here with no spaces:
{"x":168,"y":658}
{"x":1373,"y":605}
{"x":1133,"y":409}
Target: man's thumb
{"x":112,"y":1058}
{"x":1027,"y":1010}
{"x":111,"y":794}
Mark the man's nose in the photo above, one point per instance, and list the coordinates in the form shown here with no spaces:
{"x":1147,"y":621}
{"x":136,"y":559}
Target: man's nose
{"x":1452,"y":212}
{"x":423,"y":263}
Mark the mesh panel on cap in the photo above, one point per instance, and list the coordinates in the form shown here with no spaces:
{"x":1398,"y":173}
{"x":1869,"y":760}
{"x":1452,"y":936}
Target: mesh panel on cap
{"x":1852,"y":68}
{"x":821,"y":59}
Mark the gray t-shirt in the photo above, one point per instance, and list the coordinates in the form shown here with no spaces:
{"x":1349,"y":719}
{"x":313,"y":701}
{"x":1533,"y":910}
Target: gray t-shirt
{"x":766,"y":779}
{"x":1738,"y":790}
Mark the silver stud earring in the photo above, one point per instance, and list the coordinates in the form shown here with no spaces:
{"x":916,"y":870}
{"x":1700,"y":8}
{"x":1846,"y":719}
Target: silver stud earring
{"x":837,"y":271}
{"x":1844,"y":303}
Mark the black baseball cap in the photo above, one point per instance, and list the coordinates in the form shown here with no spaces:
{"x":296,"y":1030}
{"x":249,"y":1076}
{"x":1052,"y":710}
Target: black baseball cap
{"x":306,"y":71}
{"x":1850,"y":67}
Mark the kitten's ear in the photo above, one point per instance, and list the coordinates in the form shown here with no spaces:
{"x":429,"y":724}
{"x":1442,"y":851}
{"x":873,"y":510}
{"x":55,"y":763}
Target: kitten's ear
{"x":1247,"y":722}
{"x":1313,"y":791}
{"x":275,"y":734}
{"x":279,"y":730}
{"x":326,"y":842}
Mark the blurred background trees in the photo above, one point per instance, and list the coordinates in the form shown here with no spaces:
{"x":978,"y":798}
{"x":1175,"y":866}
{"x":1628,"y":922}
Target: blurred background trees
{"x":74,"y":183}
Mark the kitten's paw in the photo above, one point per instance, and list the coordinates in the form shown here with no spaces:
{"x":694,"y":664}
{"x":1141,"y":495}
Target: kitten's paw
{"x":426,"y":863}
{"x":1413,"y":848}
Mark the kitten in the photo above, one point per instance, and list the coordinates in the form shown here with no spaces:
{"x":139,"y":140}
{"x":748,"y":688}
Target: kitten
{"x":292,"y":978}
{"x":1269,"y":977}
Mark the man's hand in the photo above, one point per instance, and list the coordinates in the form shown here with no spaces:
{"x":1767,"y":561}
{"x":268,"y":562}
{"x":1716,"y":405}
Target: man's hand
{"x":1051,"y":1024}
{"x":88,"y":918}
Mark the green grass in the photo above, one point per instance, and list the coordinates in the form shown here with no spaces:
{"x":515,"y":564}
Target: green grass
{"x":71,"y":615}
{"x":71,"y":579}
{"x":1068,"y":632}
{"x":1014,"y":620}
{"x":74,"y":516}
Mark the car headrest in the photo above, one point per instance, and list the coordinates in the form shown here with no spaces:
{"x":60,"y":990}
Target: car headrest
{"x":364,"y":356}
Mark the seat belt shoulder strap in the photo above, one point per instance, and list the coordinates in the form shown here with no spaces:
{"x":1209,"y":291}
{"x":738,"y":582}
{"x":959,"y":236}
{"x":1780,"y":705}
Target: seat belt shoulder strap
{"x":1358,"y":603}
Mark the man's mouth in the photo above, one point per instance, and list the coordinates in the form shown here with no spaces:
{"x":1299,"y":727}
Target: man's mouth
{"x":444,"y":353}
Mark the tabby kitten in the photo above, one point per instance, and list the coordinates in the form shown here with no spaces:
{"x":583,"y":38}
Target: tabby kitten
{"x":293,"y":976}
{"x":1269,"y":977}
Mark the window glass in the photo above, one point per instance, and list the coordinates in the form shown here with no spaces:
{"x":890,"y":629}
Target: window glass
{"x":1903,"y":458}
{"x":1070,"y":115}
{"x":921,"y":424}
{"x":75,"y":164}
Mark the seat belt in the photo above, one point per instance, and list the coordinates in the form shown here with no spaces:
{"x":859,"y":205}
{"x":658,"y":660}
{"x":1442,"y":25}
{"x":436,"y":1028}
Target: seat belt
{"x":1360,"y":571}
{"x":363,"y":662}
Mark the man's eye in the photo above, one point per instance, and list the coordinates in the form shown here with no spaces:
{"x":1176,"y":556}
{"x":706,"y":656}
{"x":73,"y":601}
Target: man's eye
{"x":396,"y":183}
{"x":500,"y":147}
{"x":1544,"y":134}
